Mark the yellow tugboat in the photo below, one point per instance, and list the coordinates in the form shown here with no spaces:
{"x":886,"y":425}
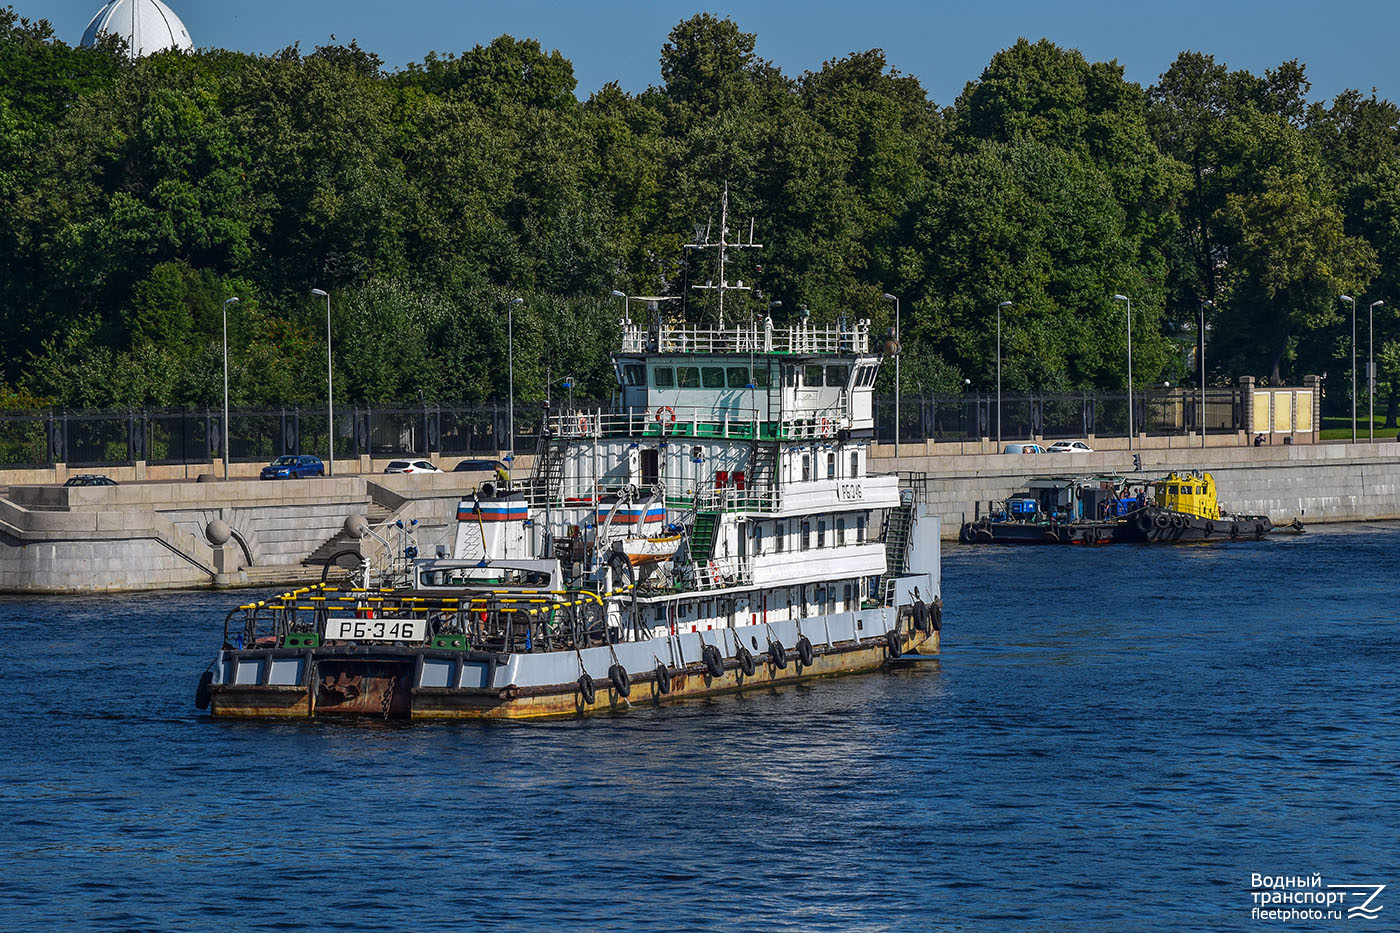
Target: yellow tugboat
{"x":1184,"y":507}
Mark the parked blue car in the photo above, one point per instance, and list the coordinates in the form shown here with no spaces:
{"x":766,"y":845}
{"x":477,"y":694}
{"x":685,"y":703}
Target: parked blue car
{"x":290,"y":467}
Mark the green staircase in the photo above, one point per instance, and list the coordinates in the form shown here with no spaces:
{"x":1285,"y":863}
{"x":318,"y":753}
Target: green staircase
{"x":702,"y":537}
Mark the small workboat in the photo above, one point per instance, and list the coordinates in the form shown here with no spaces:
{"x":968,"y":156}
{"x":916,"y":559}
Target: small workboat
{"x":1184,"y":507}
{"x":1054,"y":510}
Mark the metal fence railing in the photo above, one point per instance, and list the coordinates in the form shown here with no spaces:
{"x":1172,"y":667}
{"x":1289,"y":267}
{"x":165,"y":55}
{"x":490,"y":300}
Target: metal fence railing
{"x":195,"y":436}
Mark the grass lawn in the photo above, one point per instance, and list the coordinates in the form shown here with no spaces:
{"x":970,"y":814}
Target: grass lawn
{"x":1338,"y":428}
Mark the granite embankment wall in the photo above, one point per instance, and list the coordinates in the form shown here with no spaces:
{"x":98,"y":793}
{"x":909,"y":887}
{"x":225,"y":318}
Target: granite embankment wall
{"x":1314,"y":482}
{"x":56,"y":539}
{"x":153,"y":535}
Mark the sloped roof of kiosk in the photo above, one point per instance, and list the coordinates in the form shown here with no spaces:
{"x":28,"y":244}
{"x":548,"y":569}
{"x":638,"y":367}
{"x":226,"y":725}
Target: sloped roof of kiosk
{"x":148,"y":26}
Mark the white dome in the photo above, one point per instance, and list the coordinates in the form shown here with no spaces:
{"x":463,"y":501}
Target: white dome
{"x":148,"y":26}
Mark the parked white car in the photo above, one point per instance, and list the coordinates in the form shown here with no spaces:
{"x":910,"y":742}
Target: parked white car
{"x":411,"y":466}
{"x":1070,"y":447}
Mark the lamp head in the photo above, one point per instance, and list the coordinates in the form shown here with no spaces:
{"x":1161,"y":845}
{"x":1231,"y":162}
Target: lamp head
{"x":1004,"y":304}
{"x":1348,"y":299}
{"x":618,"y":294}
{"x":889,"y":297}
{"x":1120,"y":297}
{"x":231,"y":301}
{"x":516,"y":301}
{"x":320,"y":293}
{"x":1377,"y":304}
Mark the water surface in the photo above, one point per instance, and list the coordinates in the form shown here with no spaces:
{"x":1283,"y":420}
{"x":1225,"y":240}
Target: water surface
{"x":1114,"y":738}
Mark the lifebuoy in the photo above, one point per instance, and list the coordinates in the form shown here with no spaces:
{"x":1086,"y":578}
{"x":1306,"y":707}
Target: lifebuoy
{"x":826,"y":427}
{"x":666,"y":415}
{"x":583,"y":424}
{"x":745,"y":661}
{"x":892,"y":641}
{"x":663,"y":679}
{"x":620,"y":681}
{"x":204,"y":691}
{"x":586,"y":689}
{"x":804,"y":651}
{"x":714,"y":662}
{"x":778,"y":653}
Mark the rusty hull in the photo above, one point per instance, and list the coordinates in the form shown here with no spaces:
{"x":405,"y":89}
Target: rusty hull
{"x":358,"y":687}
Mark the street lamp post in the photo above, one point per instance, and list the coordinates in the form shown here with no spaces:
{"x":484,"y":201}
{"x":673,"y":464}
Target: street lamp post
{"x":1004,"y":304}
{"x":230,"y":301}
{"x":898,"y":351}
{"x":330,"y":412}
{"x":1201,"y":359}
{"x":1371,"y":371}
{"x":510,"y":401}
{"x":1352,"y":301}
{"x":1129,"y":301}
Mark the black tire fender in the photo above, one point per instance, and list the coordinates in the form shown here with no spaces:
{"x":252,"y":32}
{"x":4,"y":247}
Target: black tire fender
{"x":745,"y":661}
{"x":893,"y":643}
{"x":586,"y":689}
{"x":778,"y":653}
{"x":620,"y":681}
{"x":204,"y":691}
{"x":1162,"y":521}
{"x":663,"y":679}
{"x":805,"y":654}
{"x":714,"y":662}
{"x":936,"y":616}
{"x":921,"y":616}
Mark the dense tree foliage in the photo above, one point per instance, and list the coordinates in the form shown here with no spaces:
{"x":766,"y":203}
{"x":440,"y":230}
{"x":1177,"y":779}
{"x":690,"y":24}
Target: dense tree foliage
{"x":137,"y":197}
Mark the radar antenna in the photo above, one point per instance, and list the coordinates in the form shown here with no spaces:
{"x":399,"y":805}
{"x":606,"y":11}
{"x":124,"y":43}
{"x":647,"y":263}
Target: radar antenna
{"x":722,"y":246}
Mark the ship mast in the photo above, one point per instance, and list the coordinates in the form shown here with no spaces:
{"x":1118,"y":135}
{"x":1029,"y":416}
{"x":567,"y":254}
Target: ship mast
{"x":722,"y":246}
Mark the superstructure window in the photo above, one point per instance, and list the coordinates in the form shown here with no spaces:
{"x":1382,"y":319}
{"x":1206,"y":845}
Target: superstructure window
{"x":688,"y":377}
{"x":821,"y":532}
{"x":806,"y":467}
{"x":840,"y":532}
{"x":760,"y":377}
{"x":757,"y":540}
{"x":860,"y":529}
{"x":663,"y":377}
{"x":855,"y":465}
{"x":837,"y":374}
{"x":830,"y":466}
{"x":712,"y":377}
{"x":634,"y":374}
{"x":789,"y":376}
{"x":738,"y":377}
{"x":778,"y":536}
{"x":812,"y":376}
{"x":806,"y":537}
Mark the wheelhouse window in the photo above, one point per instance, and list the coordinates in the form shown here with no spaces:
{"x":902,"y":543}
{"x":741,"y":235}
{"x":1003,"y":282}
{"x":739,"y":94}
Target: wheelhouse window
{"x":688,"y":377}
{"x":634,"y":374}
{"x":812,"y":376}
{"x":789,"y":376}
{"x":738,"y":377}
{"x":837,"y":375}
{"x":663,"y":377}
{"x":712,"y":377}
{"x":760,"y":377}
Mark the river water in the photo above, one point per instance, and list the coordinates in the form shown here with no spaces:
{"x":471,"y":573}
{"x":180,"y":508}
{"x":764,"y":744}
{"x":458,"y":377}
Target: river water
{"x":1114,"y":738}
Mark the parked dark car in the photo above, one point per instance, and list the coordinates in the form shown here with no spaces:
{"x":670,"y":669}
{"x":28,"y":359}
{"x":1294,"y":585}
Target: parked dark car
{"x":90,"y":479}
{"x":478,"y":466}
{"x":290,"y":467}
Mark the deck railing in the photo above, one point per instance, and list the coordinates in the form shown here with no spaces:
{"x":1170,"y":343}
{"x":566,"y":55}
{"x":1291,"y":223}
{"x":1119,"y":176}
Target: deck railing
{"x":747,"y":337}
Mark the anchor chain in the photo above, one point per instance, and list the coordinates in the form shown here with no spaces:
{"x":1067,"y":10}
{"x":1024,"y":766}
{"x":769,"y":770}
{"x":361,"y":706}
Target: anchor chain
{"x":388,"y":695}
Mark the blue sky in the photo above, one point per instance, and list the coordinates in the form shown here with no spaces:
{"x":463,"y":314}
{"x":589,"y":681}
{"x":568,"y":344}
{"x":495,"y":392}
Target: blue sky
{"x":1344,"y":44}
